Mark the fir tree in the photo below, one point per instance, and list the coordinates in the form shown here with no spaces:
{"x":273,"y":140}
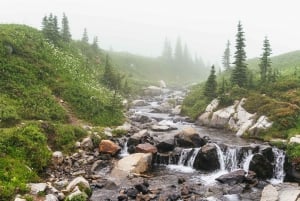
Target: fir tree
{"x":50,"y":28}
{"x":95,"y":44}
{"x":178,"y":54}
{"x":239,"y":73}
{"x":65,"y":30}
{"x":266,"y":73}
{"x":85,"y":37}
{"x":210,"y":89}
{"x":226,"y":57}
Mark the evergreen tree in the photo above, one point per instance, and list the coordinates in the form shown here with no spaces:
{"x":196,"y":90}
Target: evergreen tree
{"x":167,"y":50}
{"x":65,"y":30}
{"x":226,"y":57}
{"x":266,"y":73}
{"x":85,"y":37}
{"x":50,"y":28}
{"x":239,"y":73}
{"x":210,"y":89}
{"x":186,"y":55}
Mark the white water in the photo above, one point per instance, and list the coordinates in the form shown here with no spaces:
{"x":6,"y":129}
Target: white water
{"x":231,"y":162}
{"x":193,"y":157}
{"x":279,"y":173}
{"x":220,"y":157}
{"x":247,"y":160}
{"x":124,"y":151}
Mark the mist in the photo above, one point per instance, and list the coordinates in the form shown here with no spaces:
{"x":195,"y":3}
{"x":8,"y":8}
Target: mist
{"x":140,"y":26}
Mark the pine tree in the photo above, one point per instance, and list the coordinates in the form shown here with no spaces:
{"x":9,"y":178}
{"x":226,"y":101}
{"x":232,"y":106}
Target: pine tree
{"x":210,"y":89}
{"x":50,"y":28}
{"x":239,"y":73}
{"x":65,"y":30}
{"x":85,"y":37}
{"x":226,"y":57}
{"x":266,"y":73}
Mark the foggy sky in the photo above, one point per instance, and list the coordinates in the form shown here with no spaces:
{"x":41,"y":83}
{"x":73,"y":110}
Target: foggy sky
{"x":140,"y":26}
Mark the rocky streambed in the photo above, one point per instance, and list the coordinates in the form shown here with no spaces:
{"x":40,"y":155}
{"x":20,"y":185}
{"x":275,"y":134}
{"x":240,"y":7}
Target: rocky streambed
{"x":166,"y":157}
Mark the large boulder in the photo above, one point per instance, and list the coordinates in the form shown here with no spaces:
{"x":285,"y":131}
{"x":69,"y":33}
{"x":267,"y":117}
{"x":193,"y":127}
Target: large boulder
{"x":261,"y":166}
{"x":221,"y":117}
{"x":189,"y":137}
{"x":36,"y":188}
{"x":213,"y":105}
{"x":161,"y":128}
{"x":207,"y":158}
{"x":78,"y":181}
{"x":295,"y":139}
{"x":232,"y":178}
{"x":166,"y":144}
{"x":136,"y":138}
{"x":109,"y":147}
{"x":152,"y":91}
{"x":165,"y":107}
{"x":269,"y":193}
{"x":135,"y":163}
{"x":145,"y":148}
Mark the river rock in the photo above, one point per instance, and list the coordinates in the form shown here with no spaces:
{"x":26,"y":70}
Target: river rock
{"x":267,"y":152}
{"x":84,"y":184}
{"x":137,"y":103}
{"x":36,"y":188}
{"x":160,"y":128}
{"x":189,"y":137}
{"x":204,"y":119}
{"x":289,"y":195}
{"x":166,"y":144}
{"x":162,"y":84}
{"x":163,"y":108}
{"x":152,"y":91}
{"x":145,"y":148}
{"x":57,"y":158}
{"x":109,"y":147}
{"x":176,"y":110}
{"x":207,"y":158}
{"x":232,"y":178}
{"x":269,"y":193}
{"x":19,"y":199}
{"x":135,"y":163}
{"x":87,"y":144}
{"x":295,"y":139}
{"x":136,"y":138}
{"x":261,"y":166}
{"x":212,"y":105}
{"x":51,"y":197}
{"x":125,"y":127}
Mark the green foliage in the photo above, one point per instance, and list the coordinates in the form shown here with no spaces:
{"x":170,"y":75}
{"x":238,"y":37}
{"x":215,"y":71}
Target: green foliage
{"x":265,"y":62}
{"x":8,"y":112}
{"x":119,"y":132}
{"x":65,"y":29}
{"x":50,"y":28}
{"x":79,"y":197}
{"x":293,"y":151}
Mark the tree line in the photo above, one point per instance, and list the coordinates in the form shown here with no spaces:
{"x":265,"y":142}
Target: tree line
{"x":240,"y":75}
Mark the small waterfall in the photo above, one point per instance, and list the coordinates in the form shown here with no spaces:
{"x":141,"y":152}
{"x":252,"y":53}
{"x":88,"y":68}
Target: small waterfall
{"x":247,"y":160}
{"x":279,"y":173}
{"x":231,"y":158}
{"x":191,"y":161}
{"x":124,"y":151}
{"x":220,"y":157}
{"x":184,"y":156}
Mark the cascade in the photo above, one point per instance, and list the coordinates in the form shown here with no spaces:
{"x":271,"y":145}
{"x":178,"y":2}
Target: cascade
{"x":193,"y":157}
{"x":220,"y":157}
{"x":279,"y":173}
{"x":247,"y":159}
{"x":231,"y":158}
{"x":124,"y":151}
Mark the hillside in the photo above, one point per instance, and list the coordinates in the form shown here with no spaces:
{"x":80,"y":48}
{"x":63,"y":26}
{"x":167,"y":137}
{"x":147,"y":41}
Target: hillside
{"x":150,"y":70}
{"x":47,"y":94}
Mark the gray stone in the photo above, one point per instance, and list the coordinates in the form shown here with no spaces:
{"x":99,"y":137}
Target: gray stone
{"x":269,"y":193}
{"x":35,"y":188}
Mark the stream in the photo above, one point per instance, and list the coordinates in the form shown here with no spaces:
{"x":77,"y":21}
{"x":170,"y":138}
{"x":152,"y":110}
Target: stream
{"x":171,"y":168}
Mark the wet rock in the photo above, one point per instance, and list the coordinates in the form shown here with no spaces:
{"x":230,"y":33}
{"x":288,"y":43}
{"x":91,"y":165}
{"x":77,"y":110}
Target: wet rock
{"x":134,"y":163}
{"x":207,"y":158}
{"x":189,"y":138}
{"x":269,"y":193}
{"x":141,"y":119}
{"x":132,"y":192}
{"x":232,"y":178}
{"x":109,"y":147}
{"x":57,"y":158}
{"x":261,"y":166}
{"x":185,"y":190}
{"x":136,"y":138}
{"x":176,"y":110}
{"x":181,"y":180}
{"x":163,"y":108}
{"x":141,"y":188}
{"x":145,"y":148}
{"x":267,"y":152}
{"x":166,"y":144}
{"x":122,"y":198}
